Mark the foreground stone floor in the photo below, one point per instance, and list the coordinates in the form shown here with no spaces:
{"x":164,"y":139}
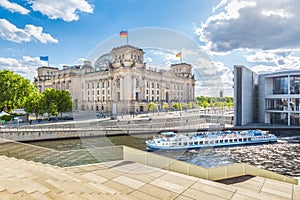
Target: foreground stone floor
{"x":21,"y":179}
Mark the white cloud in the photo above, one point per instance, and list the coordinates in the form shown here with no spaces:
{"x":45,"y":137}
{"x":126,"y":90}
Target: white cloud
{"x":66,"y":10}
{"x":221,"y":4}
{"x":278,"y":59}
{"x":80,"y":61}
{"x":13,"y":7}
{"x":253,"y":24}
{"x":10,"y":32}
{"x":26,"y":66}
{"x":148,"y":60}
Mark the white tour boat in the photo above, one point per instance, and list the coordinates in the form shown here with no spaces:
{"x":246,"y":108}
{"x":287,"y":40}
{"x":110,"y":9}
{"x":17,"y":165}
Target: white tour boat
{"x":172,"y":140}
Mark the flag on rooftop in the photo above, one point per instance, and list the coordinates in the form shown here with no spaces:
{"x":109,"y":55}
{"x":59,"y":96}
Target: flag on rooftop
{"x":44,"y":58}
{"x":123,"y":34}
{"x":178,"y":55}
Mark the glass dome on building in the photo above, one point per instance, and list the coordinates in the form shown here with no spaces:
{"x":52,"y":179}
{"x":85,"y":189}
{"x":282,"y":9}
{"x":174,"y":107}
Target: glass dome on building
{"x":102,"y":62}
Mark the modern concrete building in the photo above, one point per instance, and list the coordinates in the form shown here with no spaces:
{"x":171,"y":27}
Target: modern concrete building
{"x":120,"y":82}
{"x":272,"y":98}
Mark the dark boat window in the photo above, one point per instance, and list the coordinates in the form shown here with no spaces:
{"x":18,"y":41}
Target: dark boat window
{"x":249,"y":139}
{"x":235,"y":140}
{"x":230,"y":140}
{"x":179,"y":143}
{"x":196,"y":143}
{"x":201,"y":142}
{"x":217,"y":141}
{"x":245,"y":139}
{"x":185,"y":143}
{"x":191,"y":143}
{"x":240,"y":140}
{"x":221,"y":141}
{"x":206,"y":142}
{"x":226,"y":141}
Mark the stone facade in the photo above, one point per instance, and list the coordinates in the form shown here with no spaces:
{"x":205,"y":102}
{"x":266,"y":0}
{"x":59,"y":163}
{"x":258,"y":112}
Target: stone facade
{"x":124,"y":85}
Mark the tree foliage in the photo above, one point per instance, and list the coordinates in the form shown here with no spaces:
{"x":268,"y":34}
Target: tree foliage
{"x":50,"y":101}
{"x":54,"y":102}
{"x":14,"y":90}
{"x":152,"y":106}
{"x":177,"y":106}
{"x":64,"y":101}
{"x":165,"y":106}
{"x":214,"y":101}
{"x":33,"y":104}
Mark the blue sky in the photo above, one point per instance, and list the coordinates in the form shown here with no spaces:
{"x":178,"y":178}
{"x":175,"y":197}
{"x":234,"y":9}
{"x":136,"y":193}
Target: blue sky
{"x":263,"y":35}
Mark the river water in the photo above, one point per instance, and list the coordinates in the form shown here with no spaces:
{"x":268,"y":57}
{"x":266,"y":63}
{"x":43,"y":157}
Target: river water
{"x":283,"y":158}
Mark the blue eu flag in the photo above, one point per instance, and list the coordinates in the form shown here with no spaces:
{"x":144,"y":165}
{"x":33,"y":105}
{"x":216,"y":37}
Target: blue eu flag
{"x":44,"y":58}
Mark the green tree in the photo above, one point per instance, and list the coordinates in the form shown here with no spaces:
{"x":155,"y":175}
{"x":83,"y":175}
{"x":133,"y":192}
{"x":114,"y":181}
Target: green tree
{"x":205,"y":105}
{"x":177,"y":106}
{"x":64,"y":101}
{"x":33,"y":104}
{"x":14,"y":90}
{"x":152,"y":106}
{"x":49,"y":102}
{"x":165,"y":106}
{"x":54,"y":102}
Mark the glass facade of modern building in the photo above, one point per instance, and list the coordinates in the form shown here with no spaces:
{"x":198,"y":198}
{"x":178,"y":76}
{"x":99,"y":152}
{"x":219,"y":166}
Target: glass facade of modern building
{"x":276,"y":98}
{"x":282,"y":106}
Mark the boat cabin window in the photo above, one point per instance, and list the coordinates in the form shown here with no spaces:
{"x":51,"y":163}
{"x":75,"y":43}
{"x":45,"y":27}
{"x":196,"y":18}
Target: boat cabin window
{"x":240,"y":140}
{"x":249,"y":139}
{"x":226,"y":141}
{"x":191,"y":143}
{"x":211,"y":142}
{"x":221,"y":141}
{"x":235,"y":140}
{"x":185,"y":143}
{"x":179,"y":143}
{"x":206,"y":142}
{"x":245,"y":139}
{"x":217,"y":141}
{"x":230,"y":140}
{"x":196,"y":143}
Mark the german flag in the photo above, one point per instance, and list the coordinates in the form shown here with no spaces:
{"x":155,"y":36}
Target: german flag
{"x":178,"y":55}
{"x":123,"y":34}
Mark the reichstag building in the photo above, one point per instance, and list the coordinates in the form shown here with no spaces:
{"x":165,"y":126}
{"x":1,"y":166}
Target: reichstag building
{"x":120,"y":82}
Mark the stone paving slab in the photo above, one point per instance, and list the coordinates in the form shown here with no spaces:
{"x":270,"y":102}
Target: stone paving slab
{"x":21,"y":179}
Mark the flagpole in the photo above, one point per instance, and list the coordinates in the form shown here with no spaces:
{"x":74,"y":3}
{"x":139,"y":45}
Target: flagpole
{"x":127,"y":37}
{"x":181,"y":58}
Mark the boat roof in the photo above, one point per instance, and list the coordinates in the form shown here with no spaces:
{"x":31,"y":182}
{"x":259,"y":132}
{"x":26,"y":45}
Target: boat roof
{"x":168,"y":133}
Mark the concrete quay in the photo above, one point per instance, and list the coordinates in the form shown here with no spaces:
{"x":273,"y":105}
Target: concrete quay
{"x":141,"y":124}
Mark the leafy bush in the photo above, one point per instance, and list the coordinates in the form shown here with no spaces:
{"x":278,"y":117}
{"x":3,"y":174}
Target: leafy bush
{"x":6,"y":117}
